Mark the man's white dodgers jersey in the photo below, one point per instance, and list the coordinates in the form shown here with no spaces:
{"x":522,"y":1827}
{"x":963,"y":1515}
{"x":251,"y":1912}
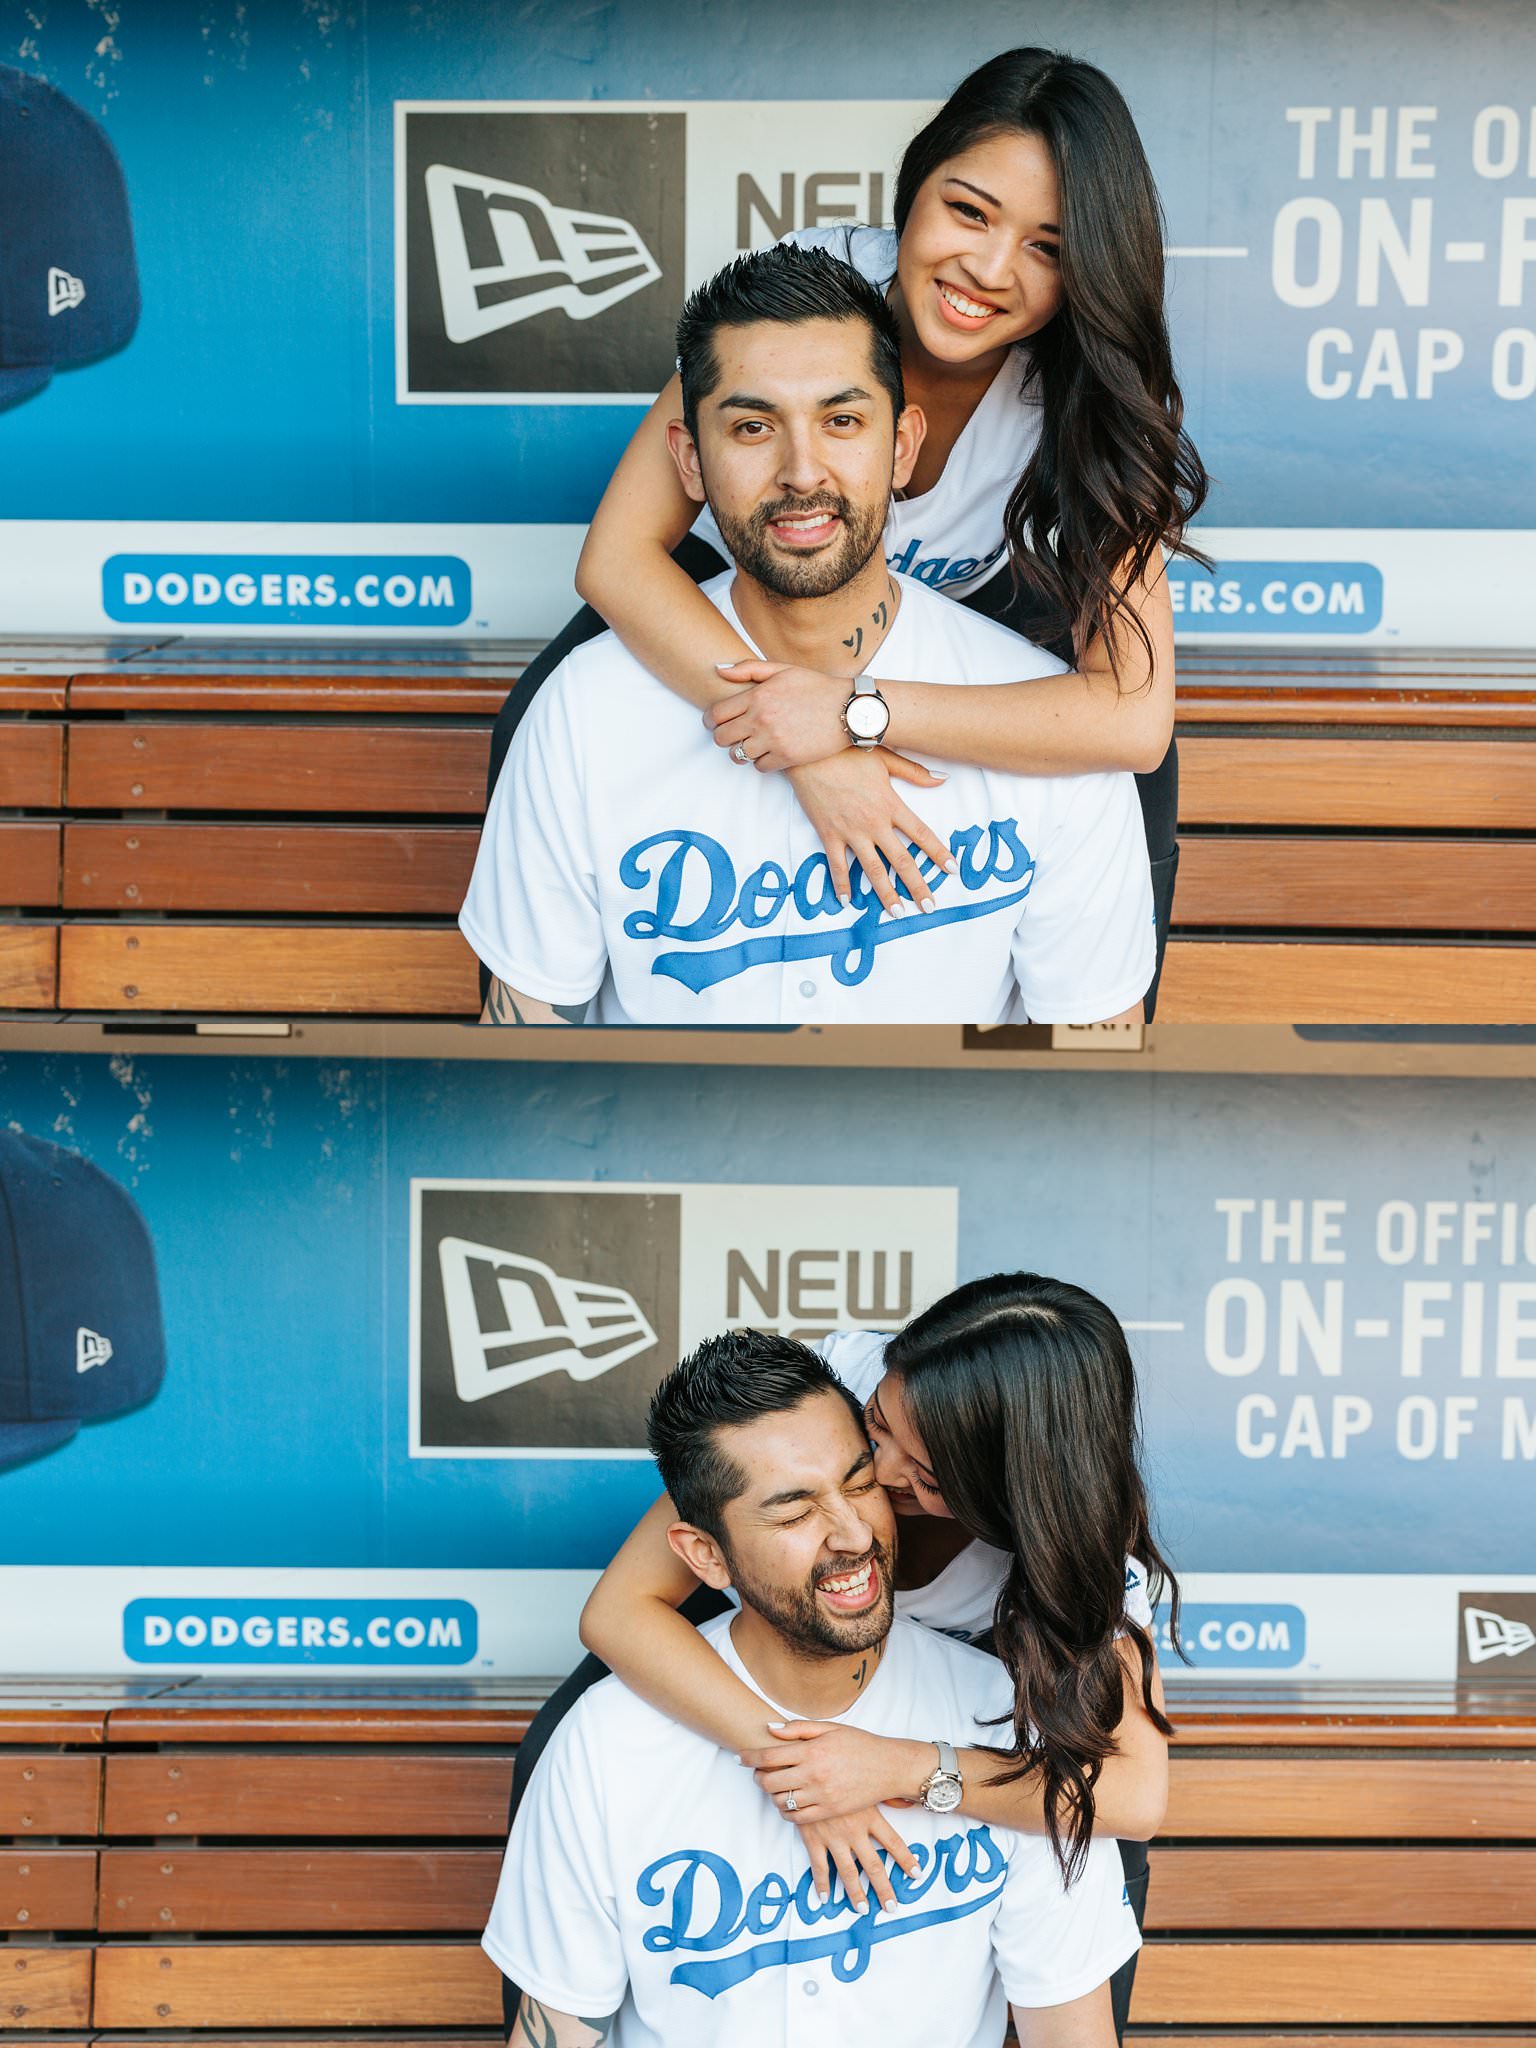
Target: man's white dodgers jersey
{"x":626,"y":858}
{"x":649,"y":1875}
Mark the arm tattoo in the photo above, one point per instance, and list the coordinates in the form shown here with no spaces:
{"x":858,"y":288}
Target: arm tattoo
{"x":534,"y":2024}
{"x":502,"y":1006}
{"x":855,"y":641}
{"x":538,"y":2027}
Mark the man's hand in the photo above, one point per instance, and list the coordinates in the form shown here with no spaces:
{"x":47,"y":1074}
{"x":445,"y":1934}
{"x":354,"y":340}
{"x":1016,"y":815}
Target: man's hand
{"x":506,"y":1005}
{"x":540,"y":2026}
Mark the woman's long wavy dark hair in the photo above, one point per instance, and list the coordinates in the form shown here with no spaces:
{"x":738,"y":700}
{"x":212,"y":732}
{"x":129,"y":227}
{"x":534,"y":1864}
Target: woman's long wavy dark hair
{"x":1114,"y":477}
{"x":1023,"y":1392}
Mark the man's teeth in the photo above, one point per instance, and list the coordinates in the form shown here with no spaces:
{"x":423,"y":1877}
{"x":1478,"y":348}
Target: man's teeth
{"x":971,"y":308}
{"x":854,"y":1582}
{"x":805,"y":519}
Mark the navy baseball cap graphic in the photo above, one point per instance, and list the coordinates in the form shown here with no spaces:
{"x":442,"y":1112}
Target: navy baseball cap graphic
{"x":69,"y":288}
{"x":80,"y":1331}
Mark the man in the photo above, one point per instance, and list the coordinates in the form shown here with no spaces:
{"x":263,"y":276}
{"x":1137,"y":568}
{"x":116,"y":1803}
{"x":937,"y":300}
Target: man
{"x":653,"y":1896}
{"x":631,"y":872}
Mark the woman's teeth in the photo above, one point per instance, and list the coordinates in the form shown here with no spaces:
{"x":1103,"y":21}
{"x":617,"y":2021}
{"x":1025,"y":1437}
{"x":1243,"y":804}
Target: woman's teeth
{"x":971,"y":309}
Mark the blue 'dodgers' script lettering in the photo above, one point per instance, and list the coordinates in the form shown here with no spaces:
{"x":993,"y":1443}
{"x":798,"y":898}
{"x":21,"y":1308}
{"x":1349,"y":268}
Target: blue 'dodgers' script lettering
{"x":708,"y":1908}
{"x":670,"y":863}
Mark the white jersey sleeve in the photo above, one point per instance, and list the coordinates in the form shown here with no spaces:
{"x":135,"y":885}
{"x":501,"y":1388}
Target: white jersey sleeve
{"x":1053,"y":1943}
{"x":554,"y":1926}
{"x":1086,"y":946}
{"x":1138,"y":1603}
{"x":532,"y":912}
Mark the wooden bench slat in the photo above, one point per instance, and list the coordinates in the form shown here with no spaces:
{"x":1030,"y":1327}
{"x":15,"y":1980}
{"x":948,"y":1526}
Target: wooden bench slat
{"x":191,"y":1792}
{"x":31,"y":765}
{"x":415,"y":769}
{"x":479,"y":1711}
{"x":1301,"y":2037}
{"x":265,"y":969}
{"x":1351,"y":1983}
{"x":44,"y":1987}
{"x":1443,"y":785}
{"x":1336,"y":1797}
{"x":1271,"y":1890}
{"x":282,"y":1891}
{"x":29,"y":966}
{"x":1282,"y":703}
{"x":301,"y":1984}
{"x":29,"y":861}
{"x":443,"y":693}
{"x":1359,"y":884}
{"x":43,"y":1890}
{"x":49,"y":1795}
{"x":347,"y":870}
{"x":1268,"y":981}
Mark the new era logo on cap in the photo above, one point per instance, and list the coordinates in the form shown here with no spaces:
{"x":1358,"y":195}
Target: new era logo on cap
{"x":64,"y":292}
{"x":91,"y":1350}
{"x":511,"y":1318}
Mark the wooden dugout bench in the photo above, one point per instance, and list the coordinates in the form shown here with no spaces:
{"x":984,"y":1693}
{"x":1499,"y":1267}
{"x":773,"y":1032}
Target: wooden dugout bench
{"x":248,"y":829}
{"x":183,"y":1863}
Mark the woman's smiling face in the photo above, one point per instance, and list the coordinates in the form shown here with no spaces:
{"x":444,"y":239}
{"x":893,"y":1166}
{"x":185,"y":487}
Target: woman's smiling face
{"x":978,"y":265}
{"x":901,"y":1457}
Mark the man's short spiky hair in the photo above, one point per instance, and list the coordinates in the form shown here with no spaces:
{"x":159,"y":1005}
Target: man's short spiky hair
{"x":735,"y":1378}
{"x":789,"y":285}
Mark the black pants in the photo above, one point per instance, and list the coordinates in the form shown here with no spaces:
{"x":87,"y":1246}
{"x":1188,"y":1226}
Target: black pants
{"x":700,"y":1607}
{"x":1159,"y":791}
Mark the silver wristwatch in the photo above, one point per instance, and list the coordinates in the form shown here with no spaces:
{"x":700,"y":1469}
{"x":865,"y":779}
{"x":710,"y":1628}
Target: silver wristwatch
{"x":943,"y":1791}
{"x":866,"y":714}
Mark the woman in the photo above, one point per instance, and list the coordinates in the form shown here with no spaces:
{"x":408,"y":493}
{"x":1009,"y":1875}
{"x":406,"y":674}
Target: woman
{"x":1026,"y":273}
{"x":1003,"y":1423}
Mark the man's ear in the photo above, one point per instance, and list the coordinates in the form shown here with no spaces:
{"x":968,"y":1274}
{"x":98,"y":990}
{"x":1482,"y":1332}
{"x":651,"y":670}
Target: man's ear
{"x":701,"y":1553}
{"x":910,"y":430}
{"x":685,"y":453}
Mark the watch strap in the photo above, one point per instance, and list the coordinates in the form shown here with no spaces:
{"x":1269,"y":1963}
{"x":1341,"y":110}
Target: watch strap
{"x":949,"y":1763}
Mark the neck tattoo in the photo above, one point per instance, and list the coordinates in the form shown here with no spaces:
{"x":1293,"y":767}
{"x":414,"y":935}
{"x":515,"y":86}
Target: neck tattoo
{"x":879,"y":618}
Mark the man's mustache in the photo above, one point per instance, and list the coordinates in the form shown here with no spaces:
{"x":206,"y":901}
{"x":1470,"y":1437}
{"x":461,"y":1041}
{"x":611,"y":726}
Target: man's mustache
{"x":799,"y":508}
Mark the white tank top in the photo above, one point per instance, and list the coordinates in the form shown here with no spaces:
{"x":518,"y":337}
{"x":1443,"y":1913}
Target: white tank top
{"x":951,"y":537}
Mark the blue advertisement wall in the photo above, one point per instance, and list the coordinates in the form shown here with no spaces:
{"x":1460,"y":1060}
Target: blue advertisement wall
{"x":1330,"y":1285}
{"x":318,"y":426}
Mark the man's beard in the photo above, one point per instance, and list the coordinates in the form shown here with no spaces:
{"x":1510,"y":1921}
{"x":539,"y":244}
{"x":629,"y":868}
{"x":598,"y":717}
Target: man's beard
{"x":807,"y":1625}
{"x":812,"y":575}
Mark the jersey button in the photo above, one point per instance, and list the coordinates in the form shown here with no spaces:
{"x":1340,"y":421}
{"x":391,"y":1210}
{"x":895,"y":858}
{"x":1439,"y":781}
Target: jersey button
{"x":807,"y":988}
{"x":810,"y":1987}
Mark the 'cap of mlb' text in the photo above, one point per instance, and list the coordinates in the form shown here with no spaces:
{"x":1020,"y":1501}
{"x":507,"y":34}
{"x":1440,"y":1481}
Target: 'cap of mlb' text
{"x":69,"y":289}
{"x":80,"y":1332}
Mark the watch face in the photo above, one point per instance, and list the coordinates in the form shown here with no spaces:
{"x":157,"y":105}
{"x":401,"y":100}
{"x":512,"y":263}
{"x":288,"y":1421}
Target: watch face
{"x":943,"y":1796}
{"x":868,"y":717}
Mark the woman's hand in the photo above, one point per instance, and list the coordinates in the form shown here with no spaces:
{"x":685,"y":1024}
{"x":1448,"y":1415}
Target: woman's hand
{"x":852,"y":1847}
{"x":787,"y":717}
{"x":857,"y":815}
{"x":835,"y":1771}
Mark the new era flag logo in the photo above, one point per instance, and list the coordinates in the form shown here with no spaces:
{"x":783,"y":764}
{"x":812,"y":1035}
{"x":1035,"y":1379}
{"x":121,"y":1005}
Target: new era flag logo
{"x":512,"y":1318}
{"x":1495,"y":1635}
{"x":504,"y":253}
{"x":64,"y":291}
{"x":91,"y":1349}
